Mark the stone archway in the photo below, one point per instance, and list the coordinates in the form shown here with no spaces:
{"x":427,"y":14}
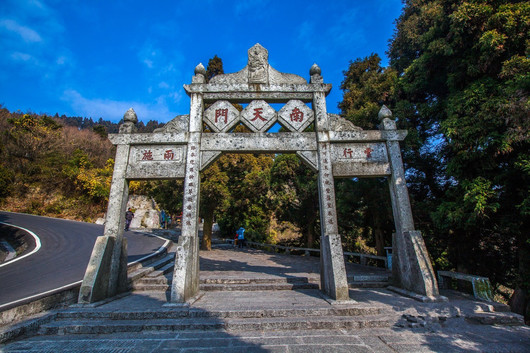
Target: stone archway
{"x":336,"y":148}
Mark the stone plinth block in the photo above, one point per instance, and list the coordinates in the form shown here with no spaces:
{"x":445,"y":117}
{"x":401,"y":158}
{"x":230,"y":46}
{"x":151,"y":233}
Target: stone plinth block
{"x":412,"y":265}
{"x":96,"y":280}
{"x":221,"y":116}
{"x":185,"y":283}
{"x":295,"y":115}
{"x":258,"y":116}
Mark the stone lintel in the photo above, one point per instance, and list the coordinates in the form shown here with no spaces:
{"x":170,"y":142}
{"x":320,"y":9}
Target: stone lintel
{"x":360,"y":169}
{"x":259,"y":142}
{"x":156,"y":138}
{"x":367,"y":135}
{"x":242,"y":93}
{"x":247,"y":97}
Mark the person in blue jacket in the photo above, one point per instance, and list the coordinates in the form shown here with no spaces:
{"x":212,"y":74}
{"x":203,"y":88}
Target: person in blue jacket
{"x":241,"y":237}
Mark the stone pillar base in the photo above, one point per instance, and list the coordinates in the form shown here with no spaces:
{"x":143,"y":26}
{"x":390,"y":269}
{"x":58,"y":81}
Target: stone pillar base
{"x":96,"y":282}
{"x":411,"y":265}
{"x":333,"y":280}
{"x":185,"y":283}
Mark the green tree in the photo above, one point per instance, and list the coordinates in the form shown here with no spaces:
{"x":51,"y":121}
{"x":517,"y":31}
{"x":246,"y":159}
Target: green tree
{"x":463,"y":94}
{"x":214,"y":68}
{"x":364,"y":204}
{"x":295,"y":195}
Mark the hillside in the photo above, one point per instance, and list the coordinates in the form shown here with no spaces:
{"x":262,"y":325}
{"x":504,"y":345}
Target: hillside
{"x":56,"y":166}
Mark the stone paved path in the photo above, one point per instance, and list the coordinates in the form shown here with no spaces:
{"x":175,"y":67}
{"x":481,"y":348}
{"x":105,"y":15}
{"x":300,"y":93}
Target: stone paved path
{"x":446,"y":327}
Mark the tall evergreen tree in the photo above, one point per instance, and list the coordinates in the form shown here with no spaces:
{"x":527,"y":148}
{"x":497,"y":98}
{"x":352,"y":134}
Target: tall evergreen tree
{"x":463,"y":94}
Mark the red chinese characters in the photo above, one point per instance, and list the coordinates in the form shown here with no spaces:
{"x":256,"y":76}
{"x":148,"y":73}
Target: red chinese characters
{"x":220,"y":113}
{"x":297,"y":115}
{"x":147,"y":155}
{"x":169,"y":155}
{"x":257,"y":114}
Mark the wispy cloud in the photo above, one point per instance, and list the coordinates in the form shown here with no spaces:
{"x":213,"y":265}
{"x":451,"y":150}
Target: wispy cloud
{"x":113,"y":110}
{"x":26,"y":33}
{"x":31,"y":36}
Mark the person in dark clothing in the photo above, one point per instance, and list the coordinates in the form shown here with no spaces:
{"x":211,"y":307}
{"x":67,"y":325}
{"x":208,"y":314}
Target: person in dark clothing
{"x":129,"y":215}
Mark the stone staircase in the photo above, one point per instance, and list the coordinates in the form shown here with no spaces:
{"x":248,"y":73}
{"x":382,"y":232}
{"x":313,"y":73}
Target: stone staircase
{"x":226,"y":303}
{"x":74,"y":321}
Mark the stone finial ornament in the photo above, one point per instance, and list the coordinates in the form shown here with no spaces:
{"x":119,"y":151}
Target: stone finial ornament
{"x":384,"y":113}
{"x":130,"y":116}
{"x":315,"y":70}
{"x":257,"y":71}
{"x":258,"y":64}
{"x":200,"y":70}
{"x":200,"y":74}
{"x":129,"y":122}
{"x":315,"y":73}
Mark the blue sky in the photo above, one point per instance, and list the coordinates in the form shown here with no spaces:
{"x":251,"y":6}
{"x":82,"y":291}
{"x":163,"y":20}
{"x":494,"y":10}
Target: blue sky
{"x":98,"y":58}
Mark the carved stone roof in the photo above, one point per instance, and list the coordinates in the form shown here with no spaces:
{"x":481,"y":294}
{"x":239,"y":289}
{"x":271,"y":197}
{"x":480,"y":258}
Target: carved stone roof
{"x":258,"y":71}
{"x":338,"y":123}
{"x":178,"y":124}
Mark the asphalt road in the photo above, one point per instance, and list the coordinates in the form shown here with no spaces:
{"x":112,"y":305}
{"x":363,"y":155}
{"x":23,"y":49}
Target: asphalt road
{"x":64,"y":254}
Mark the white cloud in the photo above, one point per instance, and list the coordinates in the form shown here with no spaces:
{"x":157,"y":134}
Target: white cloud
{"x":113,"y":110}
{"x":26,"y":33}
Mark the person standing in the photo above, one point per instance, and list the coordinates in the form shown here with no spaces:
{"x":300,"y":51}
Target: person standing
{"x":129,"y":215}
{"x":241,"y":237}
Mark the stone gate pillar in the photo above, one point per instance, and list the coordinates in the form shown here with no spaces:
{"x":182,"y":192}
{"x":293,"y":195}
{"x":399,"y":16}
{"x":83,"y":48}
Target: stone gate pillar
{"x":185,"y":283}
{"x":106,"y":273}
{"x":332,"y":269}
{"x":411,"y":265}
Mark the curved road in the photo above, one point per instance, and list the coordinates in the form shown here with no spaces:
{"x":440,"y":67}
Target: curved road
{"x":63,"y":256}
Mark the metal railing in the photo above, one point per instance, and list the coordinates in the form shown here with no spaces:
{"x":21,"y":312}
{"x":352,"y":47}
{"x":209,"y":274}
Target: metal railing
{"x":355,"y":257}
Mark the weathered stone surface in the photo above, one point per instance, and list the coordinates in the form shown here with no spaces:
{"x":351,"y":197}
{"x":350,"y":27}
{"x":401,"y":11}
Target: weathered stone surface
{"x":360,"y":159}
{"x":295,"y":115}
{"x":178,"y":124}
{"x":221,"y":116}
{"x":156,"y":162}
{"x":258,"y":116}
{"x":258,"y":71}
{"x":96,"y":279}
{"x":338,"y":123}
{"x":264,"y":142}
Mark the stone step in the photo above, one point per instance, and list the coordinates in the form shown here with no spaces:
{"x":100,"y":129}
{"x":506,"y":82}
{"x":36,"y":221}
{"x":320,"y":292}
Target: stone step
{"x":230,"y":287}
{"x":496,"y":318}
{"x":257,"y":286}
{"x":368,"y":284}
{"x":180,"y":313}
{"x":149,"y":268}
{"x":231,"y":324}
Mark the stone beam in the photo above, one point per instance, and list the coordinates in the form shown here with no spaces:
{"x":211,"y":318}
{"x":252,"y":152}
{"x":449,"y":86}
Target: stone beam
{"x":255,"y":142}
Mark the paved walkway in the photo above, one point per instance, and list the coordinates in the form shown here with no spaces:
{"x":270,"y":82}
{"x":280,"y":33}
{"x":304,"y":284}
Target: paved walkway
{"x":417,"y":327}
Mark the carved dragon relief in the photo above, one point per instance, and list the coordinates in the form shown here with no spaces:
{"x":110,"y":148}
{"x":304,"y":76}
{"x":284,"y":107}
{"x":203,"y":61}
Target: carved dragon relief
{"x":179,"y":124}
{"x":258,"y":71}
